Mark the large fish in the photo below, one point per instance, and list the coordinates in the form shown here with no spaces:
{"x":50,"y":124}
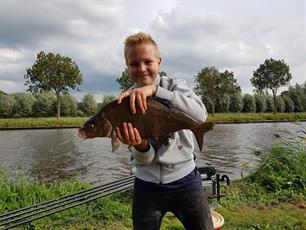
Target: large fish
{"x":158,"y":121}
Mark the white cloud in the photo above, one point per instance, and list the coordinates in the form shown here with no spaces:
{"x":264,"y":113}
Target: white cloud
{"x":233,"y":35}
{"x":194,"y":36}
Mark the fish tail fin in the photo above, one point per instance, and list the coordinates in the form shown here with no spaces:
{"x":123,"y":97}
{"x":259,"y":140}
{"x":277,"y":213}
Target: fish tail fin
{"x":200,"y":129}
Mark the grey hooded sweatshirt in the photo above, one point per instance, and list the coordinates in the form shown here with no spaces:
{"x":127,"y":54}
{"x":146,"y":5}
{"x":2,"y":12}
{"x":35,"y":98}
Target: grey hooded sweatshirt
{"x":165,"y":163}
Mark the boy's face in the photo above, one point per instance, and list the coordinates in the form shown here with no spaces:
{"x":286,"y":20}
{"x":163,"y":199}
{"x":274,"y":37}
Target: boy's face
{"x":143,"y":64}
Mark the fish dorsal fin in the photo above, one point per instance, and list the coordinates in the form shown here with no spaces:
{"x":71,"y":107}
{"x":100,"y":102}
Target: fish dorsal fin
{"x":162,"y":101}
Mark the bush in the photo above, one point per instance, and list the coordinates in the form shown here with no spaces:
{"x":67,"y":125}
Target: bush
{"x":296,"y":94}
{"x":106,"y":99}
{"x":68,"y":105}
{"x":260,"y":102}
{"x":269,"y":103}
{"x":248,"y":104}
{"x":23,"y":105}
{"x":280,"y":104}
{"x":222,"y":104}
{"x":6,"y":105}
{"x":289,"y":104}
{"x":236,"y":103}
{"x":45,"y":105}
{"x":88,"y":105}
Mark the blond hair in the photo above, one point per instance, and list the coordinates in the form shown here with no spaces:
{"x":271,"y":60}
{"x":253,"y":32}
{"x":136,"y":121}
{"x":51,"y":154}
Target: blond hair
{"x":139,"y":39}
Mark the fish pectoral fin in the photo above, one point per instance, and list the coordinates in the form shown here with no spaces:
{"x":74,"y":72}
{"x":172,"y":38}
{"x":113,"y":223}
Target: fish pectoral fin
{"x":115,"y":141}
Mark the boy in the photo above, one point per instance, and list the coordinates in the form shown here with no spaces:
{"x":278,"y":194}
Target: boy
{"x":165,"y":178}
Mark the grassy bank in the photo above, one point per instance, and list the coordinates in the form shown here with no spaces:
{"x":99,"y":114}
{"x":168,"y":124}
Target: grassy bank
{"x":258,"y":117}
{"x":272,"y":197}
{"x":78,"y":121}
{"x":49,"y":122}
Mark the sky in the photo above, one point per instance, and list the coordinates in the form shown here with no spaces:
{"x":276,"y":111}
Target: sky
{"x":233,"y":35}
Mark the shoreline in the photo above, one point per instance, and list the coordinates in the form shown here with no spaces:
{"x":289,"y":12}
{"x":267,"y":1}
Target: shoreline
{"x":78,"y":126}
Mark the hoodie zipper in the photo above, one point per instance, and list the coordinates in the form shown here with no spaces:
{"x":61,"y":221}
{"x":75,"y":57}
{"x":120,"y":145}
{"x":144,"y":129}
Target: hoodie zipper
{"x":161,"y":176}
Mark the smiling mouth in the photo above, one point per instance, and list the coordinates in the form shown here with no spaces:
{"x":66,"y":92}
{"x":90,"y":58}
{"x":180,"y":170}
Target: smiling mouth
{"x":144,"y":76}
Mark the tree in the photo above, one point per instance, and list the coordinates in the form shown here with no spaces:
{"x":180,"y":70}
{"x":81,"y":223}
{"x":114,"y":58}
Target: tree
{"x":162,"y":73}
{"x":271,"y":75}
{"x":125,"y":81}
{"x":6,"y":105}
{"x":106,"y":99}
{"x":211,"y":85}
{"x":89,"y":105}
{"x":53,"y":72}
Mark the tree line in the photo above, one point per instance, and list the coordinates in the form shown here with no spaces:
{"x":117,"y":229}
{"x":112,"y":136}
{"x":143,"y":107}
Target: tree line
{"x":52,"y":75}
{"x":19,"y":105}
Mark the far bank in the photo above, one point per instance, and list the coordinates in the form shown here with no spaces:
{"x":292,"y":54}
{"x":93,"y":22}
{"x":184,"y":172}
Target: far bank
{"x":75,"y":122}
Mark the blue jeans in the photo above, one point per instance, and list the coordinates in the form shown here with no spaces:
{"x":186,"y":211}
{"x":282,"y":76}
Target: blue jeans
{"x":190,"y":207}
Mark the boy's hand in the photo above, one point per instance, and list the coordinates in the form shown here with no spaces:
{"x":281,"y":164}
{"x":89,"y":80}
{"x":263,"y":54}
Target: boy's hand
{"x":131,"y":136}
{"x":140,"y":95}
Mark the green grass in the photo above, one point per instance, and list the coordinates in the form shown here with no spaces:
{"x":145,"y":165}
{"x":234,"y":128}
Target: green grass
{"x":22,"y":193}
{"x":51,"y":122}
{"x":248,"y":117}
{"x":273,"y":196}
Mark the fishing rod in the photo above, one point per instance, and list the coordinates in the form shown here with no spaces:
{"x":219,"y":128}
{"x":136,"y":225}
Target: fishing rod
{"x":69,"y":202}
{"x":65,"y":208}
{"x":64,"y":198}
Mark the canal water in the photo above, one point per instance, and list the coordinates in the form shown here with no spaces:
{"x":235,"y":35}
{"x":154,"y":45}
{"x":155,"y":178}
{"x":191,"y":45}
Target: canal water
{"x":53,"y":154}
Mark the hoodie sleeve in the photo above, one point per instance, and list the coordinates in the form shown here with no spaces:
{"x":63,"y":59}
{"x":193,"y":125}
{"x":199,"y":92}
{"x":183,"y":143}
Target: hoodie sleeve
{"x":142,"y":158}
{"x":182,"y":98}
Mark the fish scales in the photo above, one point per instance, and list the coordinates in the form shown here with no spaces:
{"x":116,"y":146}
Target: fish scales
{"x":158,"y":121}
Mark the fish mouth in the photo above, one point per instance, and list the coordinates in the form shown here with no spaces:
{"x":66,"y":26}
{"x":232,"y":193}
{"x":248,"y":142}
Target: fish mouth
{"x":82,"y":134}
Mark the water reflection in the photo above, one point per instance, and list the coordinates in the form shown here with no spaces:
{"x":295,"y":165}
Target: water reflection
{"x":52,"y":154}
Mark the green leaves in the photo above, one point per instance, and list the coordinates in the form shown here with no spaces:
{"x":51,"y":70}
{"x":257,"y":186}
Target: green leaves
{"x":271,"y":75}
{"x":53,"y":72}
{"x":125,"y":81}
{"x":212,"y":84}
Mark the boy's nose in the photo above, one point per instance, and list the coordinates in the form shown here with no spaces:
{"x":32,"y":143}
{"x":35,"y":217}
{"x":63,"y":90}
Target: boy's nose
{"x":142,"y":67}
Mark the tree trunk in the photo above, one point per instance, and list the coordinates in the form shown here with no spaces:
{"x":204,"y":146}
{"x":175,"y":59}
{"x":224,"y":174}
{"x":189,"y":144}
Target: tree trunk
{"x":58,"y":106}
{"x":274,"y":101}
{"x":213,"y":108}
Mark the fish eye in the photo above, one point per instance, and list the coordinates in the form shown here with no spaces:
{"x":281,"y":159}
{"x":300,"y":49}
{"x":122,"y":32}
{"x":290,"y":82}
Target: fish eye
{"x":91,"y":126}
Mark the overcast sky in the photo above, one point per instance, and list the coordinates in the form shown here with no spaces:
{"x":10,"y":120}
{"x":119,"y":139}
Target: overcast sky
{"x":234,"y":35}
